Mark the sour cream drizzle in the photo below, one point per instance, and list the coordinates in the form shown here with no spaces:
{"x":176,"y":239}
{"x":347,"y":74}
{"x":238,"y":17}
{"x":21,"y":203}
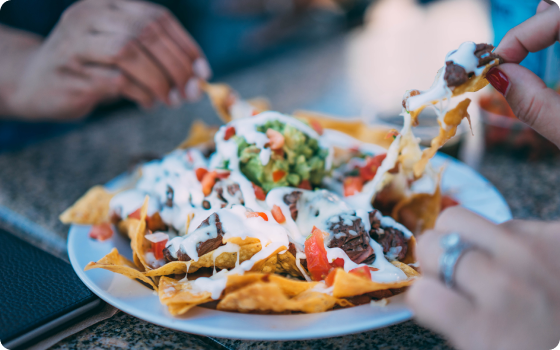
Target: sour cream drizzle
{"x":317,"y":208}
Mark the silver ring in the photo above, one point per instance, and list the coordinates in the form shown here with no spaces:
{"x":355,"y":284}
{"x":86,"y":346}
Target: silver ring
{"x":454,"y":247}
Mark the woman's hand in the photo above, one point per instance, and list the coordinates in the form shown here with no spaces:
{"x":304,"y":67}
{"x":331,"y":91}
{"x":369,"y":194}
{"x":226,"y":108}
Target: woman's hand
{"x":103,"y":50}
{"x":508,"y":290}
{"x":530,"y":99}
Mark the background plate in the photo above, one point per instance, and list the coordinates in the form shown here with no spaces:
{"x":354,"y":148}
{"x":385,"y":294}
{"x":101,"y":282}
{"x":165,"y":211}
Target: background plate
{"x":470,"y":188}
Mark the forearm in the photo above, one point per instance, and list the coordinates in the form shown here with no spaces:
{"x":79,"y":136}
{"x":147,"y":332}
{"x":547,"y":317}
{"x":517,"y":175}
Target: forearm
{"x":16,"y":47}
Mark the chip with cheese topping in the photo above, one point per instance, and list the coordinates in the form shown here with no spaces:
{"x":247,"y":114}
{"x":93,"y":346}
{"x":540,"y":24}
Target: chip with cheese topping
{"x":276,"y":214}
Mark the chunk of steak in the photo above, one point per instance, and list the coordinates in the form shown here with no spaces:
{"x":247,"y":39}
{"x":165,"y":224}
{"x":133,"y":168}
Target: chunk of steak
{"x":291,"y":200}
{"x":485,"y":54}
{"x":388,"y":237}
{"x":353,"y":239}
{"x":204,"y":247}
{"x":455,"y":75}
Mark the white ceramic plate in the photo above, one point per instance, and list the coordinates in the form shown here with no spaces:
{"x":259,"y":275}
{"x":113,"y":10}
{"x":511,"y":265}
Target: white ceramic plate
{"x":470,"y":188}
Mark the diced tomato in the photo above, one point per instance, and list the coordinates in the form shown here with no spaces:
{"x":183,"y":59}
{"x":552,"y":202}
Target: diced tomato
{"x":278,"y":175}
{"x":259,"y":193}
{"x":276,"y":139}
{"x":278,"y":215}
{"x":255,"y":112}
{"x":362,"y":271}
{"x":329,"y":281}
{"x":373,"y":269}
{"x":448,"y":202}
{"x":222,"y":174}
{"x":353,"y":185}
{"x":135,"y":214}
{"x":208,"y":182}
{"x":305,"y":185}
{"x":200,"y":172}
{"x":255,"y":214}
{"x":101,"y":232}
{"x":338,"y":262}
{"x":317,"y":127}
{"x":158,"y":241}
{"x":317,"y":261}
{"x":230,"y":132}
{"x":368,"y":171}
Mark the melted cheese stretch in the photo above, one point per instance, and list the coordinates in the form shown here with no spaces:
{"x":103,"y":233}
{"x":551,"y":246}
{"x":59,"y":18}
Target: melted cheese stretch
{"x":177,"y":171}
{"x":440,"y":92}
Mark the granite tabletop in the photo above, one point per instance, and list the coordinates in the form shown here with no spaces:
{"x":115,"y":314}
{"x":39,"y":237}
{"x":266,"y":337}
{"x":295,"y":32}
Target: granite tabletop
{"x":38,"y":182}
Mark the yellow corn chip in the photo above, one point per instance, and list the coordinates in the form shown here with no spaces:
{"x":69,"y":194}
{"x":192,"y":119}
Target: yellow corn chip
{"x":419,"y":211}
{"x":261,"y":104}
{"x":410,"y":257}
{"x":409,"y":271}
{"x":287,"y":264}
{"x":452,"y":119}
{"x":91,"y":209}
{"x":351,"y":126}
{"x":349,"y":285}
{"x":117,"y":263}
{"x":178,"y":297}
{"x":140,"y":245}
{"x":266,"y":295}
{"x":221,"y":96}
{"x":199,"y":134}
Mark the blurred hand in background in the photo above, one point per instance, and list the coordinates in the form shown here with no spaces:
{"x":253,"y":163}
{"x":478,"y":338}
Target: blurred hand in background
{"x":100,"y":51}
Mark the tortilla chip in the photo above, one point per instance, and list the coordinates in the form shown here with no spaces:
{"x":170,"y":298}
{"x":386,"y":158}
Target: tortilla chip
{"x":199,"y":134}
{"x":178,"y":297}
{"x":261,"y":104}
{"x":221,"y":96}
{"x":224,"y":261}
{"x":172,"y":268}
{"x":91,"y":209}
{"x":349,"y":285}
{"x":409,"y":271}
{"x":313,"y":302}
{"x":419,"y":211}
{"x":140,"y":245}
{"x":271,"y":293}
{"x":354,"y":127}
{"x":286,"y":264}
{"x":117,"y":263}
{"x":410,"y":257}
{"x":452,"y":119}
{"x":126,"y":226}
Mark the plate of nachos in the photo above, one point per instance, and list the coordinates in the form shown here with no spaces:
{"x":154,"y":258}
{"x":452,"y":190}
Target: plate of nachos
{"x":281,"y":227}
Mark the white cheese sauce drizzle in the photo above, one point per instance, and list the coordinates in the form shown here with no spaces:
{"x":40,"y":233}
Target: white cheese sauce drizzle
{"x":439,"y":91}
{"x":315,"y":208}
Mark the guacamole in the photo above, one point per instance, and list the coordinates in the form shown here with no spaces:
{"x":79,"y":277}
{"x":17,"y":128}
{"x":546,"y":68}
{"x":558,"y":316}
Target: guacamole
{"x":301,"y":159}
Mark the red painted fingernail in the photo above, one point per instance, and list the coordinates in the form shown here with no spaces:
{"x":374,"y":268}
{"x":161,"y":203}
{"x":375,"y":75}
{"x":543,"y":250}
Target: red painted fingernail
{"x":498,"y":80}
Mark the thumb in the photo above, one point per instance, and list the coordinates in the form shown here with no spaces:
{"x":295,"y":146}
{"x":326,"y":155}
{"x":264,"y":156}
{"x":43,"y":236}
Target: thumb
{"x":529,"y":98}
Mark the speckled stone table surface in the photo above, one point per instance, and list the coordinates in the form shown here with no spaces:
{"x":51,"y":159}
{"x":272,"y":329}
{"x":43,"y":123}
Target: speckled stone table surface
{"x":37,"y":183}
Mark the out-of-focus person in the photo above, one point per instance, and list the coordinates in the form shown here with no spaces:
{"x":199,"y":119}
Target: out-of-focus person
{"x":488,"y":286}
{"x":61,"y":58}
